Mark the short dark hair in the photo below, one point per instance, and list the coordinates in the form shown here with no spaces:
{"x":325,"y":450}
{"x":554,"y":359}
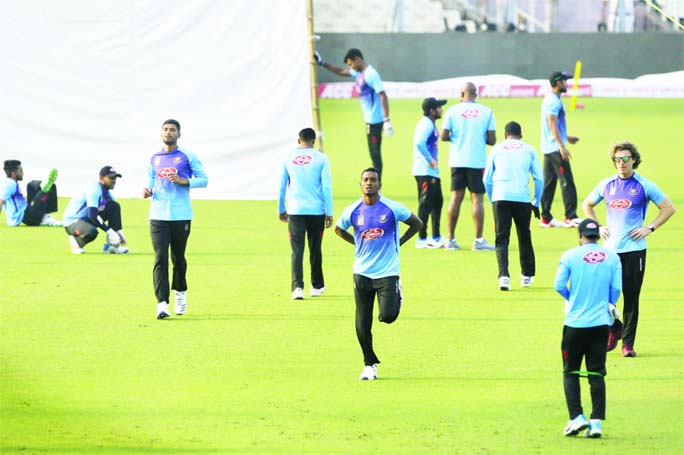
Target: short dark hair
{"x":371,"y":169}
{"x":172,"y":122}
{"x":11,"y":166}
{"x":307,"y":135}
{"x":626,"y":145}
{"x":352,"y":54}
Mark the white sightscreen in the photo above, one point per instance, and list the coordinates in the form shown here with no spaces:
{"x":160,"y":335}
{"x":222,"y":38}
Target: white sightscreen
{"x":87,"y":83}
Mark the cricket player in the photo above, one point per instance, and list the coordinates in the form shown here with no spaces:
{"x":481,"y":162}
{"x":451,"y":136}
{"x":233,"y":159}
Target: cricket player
{"x":589,"y":278}
{"x":42,"y":197}
{"x":306,"y":181}
{"x":376,"y":268}
{"x":172,"y":172}
{"x":627,"y":196}
{"x":374,"y":100}
{"x":92,"y":209}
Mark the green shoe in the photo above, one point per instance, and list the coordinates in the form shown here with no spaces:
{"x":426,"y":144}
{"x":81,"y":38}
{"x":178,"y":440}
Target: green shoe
{"x":52,"y":176}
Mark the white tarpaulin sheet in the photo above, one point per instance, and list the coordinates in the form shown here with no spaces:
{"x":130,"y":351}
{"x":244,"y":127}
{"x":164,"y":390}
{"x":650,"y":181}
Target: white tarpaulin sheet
{"x":88,"y":83}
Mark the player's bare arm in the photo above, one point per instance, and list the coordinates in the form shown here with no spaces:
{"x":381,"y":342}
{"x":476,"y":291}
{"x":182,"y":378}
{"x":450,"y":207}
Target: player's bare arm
{"x":328,"y":221}
{"x":146,"y":192}
{"x":588,"y":209}
{"x":491,"y":137}
{"x":414,"y":225}
{"x":553,"y":127}
{"x":345,"y":235}
{"x":283,"y":217}
{"x":667,"y":209}
{"x":445,"y":135}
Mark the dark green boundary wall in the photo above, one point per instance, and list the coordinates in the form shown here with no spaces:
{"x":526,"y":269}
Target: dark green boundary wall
{"x":409,"y":57}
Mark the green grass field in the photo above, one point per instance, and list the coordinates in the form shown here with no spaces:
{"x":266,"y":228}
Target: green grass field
{"x":86,"y":368}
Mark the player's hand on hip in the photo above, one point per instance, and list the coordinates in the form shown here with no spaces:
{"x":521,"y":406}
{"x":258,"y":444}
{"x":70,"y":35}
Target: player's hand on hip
{"x":146,"y":192}
{"x":605,"y":233}
{"x":639,"y":233}
{"x":387,"y":127}
{"x":328,"y":221}
{"x":573,"y":140}
{"x":283,"y":217}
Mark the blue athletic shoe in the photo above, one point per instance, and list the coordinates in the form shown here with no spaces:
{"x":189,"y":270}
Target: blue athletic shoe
{"x":594,"y":430}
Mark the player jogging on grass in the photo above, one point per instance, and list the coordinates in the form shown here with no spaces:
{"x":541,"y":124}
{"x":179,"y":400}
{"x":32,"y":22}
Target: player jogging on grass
{"x":375,"y":220}
{"x":172,"y":172}
{"x":627,"y":195}
{"x":589,"y":278}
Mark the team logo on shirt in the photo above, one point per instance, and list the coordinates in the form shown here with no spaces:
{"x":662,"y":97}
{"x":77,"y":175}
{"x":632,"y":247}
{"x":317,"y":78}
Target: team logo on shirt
{"x":632,"y":191}
{"x":594,"y":257}
{"x":165,"y":172}
{"x":470,"y":113}
{"x":372,"y":233}
{"x":177,"y":159}
{"x":383,"y":218}
{"x":513,"y":146}
{"x":620,"y":204}
{"x":300,"y":160}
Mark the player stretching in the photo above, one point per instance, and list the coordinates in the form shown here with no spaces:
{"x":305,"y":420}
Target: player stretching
{"x":376,"y":268}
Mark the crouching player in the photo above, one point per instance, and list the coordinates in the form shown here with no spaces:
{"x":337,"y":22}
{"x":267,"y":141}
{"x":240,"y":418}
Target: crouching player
{"x":589,"y":278}
{"x":94,"y":208}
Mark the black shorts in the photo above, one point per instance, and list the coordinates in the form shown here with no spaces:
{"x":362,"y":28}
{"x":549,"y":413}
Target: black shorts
{"x":467,"y":177}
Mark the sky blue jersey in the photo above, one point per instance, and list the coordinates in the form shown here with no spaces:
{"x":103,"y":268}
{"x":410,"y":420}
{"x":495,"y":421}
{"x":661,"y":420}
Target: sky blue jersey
{"x":425,"y":139}
{"x":552,"y":104}
{"x":376,"y":236}
{"x":626,"y":204}
{"x":170,"y":201}
{"x":306,"y":181}
{"x":369,"y":86}
{"x":94,"y":195}
{"x":507,"y":173}
{"x":468,"y":123}
{"x":15,"y":203}
{"x":590,"y":278}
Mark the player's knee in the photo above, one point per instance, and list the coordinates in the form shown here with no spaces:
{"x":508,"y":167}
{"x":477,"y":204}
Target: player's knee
{"x":388,"y":316}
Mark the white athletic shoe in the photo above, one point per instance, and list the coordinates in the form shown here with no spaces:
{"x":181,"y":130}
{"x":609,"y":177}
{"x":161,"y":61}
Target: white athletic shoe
{"x":75,"y":249}
{"x":572,"y":222}
{"x":369,"y":373}
{"x":451,"y":245}
{"x":48,"y":220}
{"x":576,"y":425}
{"x":313,"y":292}
{"x":163,"y":310}
{"x":554,"y":223}
{"x":298,"y":294}
{"x":108,"y":248}
{"x":504,"y":283}
{"x":482,"y":245}
{"x":179,"y":303}
{"x":421,"y":243}
{"x":434,"y":243}
{"x":526,"y":281}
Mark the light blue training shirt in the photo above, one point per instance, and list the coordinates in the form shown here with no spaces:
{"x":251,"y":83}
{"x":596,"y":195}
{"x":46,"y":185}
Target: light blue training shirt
{"x":369,"y":86}
{"x":468,"y":122}
{"x":306,"y":182}
{"x":552,"y":104}
{"x":507,"y":173}
{"x":590,"y":278}
{"x":170,"y":201}
{"x":15,"y":203}
{"x":626,"y":204}
{"x":425,"y":139}
{"x":94,"y":195}
{"x":376,"y":236}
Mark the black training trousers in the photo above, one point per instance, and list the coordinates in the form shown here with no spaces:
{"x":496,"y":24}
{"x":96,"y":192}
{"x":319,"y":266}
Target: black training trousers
{"x":167,"y":234}
{"x":39,"y":203}
{"x":520,"y":213}
{"x":388,"y":290}
{"x":633,"y":270}
{"x":557,"y":170}
{"x":85,"y":232}
{"x":430,"y":201}
{"x":374,"y":136}
{"x":311,"y":228}
{"x":588,"y":343}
